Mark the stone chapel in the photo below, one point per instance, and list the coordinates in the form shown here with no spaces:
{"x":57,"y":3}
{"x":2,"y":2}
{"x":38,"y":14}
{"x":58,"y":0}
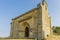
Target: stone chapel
{"x":35,"y":23}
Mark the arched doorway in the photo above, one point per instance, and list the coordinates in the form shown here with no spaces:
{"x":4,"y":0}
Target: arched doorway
{"x":26,"y":32}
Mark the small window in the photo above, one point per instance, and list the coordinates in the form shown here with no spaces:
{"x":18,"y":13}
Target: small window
{"x":45,"y":7}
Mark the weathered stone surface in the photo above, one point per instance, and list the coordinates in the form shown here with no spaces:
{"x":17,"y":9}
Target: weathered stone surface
{"x":36,"y":20}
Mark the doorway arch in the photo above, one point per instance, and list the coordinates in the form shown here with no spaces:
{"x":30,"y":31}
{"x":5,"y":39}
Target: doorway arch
{"x":26,"y":32}
{"x":26,"y":28}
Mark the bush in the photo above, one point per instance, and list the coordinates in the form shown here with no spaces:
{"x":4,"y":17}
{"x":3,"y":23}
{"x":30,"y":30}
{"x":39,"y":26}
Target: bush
{"x":56,"y":30}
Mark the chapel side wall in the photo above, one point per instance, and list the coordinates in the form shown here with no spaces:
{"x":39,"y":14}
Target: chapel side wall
{"x":25,"y":18}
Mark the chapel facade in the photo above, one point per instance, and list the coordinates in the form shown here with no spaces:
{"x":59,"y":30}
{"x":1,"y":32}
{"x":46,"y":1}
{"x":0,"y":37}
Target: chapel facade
{"x":35,"y":23}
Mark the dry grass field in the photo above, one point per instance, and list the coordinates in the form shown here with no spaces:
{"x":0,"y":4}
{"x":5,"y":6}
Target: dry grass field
{"x":53,"y":37}
{"x":17,"y":39}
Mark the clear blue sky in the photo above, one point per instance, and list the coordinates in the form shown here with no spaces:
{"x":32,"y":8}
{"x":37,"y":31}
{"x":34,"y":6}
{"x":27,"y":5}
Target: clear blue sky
{"x":11,"y":8}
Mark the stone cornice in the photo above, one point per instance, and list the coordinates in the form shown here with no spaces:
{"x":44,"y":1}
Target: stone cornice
{"x":25,"y":19}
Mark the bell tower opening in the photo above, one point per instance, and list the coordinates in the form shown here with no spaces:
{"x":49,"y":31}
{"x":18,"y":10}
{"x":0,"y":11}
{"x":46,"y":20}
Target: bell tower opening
{"x":26,"y":32}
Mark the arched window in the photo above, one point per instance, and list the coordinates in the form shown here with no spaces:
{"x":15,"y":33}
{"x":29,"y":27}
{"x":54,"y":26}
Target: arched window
{"x":26,"y":32}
